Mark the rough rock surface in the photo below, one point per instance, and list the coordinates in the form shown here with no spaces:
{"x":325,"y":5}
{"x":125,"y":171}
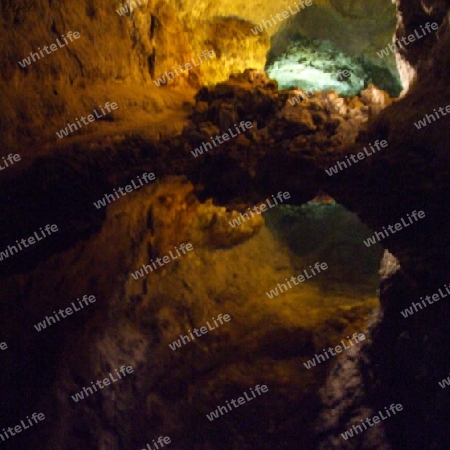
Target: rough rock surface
{"x":134,"y":321}
{"x":408,"y":369}
{"x":117,"y":59}
{"x":402,"y":362}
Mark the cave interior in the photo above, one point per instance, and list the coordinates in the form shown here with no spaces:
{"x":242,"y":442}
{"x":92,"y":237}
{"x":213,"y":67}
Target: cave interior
{"x":238,"y":208}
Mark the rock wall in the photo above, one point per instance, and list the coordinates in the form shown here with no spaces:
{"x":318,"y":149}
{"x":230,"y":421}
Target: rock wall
{"x":406,"y":357}
{"x":113,"y":56}
{"x":117,"y":57}
{"x":133,"y":321}
{"x":422,"y":54}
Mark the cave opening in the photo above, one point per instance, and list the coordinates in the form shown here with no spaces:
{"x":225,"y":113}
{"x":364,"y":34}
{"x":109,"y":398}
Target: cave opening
{"x":324,"y":48}
{"x":317,"y":65}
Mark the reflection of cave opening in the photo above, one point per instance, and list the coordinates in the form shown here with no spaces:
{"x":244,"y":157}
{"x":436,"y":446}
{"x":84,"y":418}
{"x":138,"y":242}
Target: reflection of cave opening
{"x":279,"y":333}
{"x":327,"y":231}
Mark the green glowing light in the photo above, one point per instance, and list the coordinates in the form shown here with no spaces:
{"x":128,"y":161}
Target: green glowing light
{"x":312,"y":64}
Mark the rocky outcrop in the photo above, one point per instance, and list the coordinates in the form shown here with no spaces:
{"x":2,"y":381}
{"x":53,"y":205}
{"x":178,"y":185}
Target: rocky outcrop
{"x":427,"y":49}
{"x":112,"y":60}
{"x":236,"y":47}
{"x":312,"y":131}
{"x":150,"y":313}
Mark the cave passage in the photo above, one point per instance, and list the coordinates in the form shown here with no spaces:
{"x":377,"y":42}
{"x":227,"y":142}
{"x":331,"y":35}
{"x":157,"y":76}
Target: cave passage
{"x":325,"y":230}
{"x":335,"y":48}
{"x":206,"y":265}
{"x":318,"y":65}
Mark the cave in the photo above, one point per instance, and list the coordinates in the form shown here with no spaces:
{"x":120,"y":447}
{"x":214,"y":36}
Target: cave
{"x":224,"y":225}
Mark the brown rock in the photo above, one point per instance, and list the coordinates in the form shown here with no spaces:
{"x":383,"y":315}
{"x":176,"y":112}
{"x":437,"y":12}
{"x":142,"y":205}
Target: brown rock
{"x":299,"y":118}
{"x":374,"y":96}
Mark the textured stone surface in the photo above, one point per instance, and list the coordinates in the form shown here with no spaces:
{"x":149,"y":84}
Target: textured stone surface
{"x":408,"y":368}
{"x":134,"y":321}
{"x":117,"y":57}
{"x":404,"y":358}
